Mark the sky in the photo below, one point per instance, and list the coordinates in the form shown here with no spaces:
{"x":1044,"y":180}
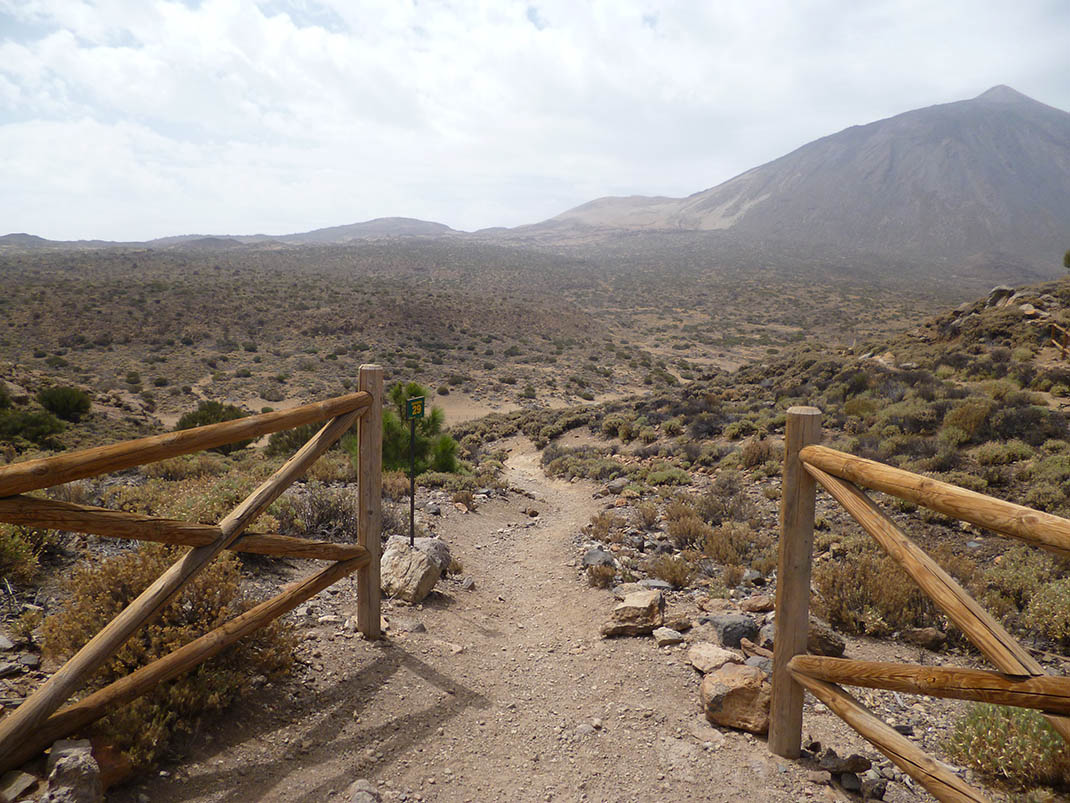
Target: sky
{"x":134,"y":119}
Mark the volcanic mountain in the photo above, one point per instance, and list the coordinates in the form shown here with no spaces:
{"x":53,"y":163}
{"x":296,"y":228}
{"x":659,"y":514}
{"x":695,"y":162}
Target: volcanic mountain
{"x":989,"y":175}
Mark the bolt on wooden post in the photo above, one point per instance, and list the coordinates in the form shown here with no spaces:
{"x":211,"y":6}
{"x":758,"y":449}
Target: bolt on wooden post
{"x":797,"y":499}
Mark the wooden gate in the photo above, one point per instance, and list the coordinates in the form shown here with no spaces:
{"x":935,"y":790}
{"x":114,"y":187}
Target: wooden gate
{"x":37,"y":723}
{"x":1020,"y":681}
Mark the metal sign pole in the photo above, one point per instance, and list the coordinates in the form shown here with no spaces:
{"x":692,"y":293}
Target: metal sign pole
{"x":412,"y":482}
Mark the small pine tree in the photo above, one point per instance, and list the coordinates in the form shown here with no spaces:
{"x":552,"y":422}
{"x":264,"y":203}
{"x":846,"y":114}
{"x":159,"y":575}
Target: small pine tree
{"x":1066,"y":259}
{"x":434,"y":450}
{"x":68,"y":403}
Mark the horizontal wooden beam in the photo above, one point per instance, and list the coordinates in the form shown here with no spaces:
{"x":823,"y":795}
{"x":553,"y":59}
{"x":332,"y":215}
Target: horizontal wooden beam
{"x":988,"y":635}
{"x":54,"y":515}
{"x":1032,"y":526}
{"x":937,"y":778}
{"x":77,"y":715}
{"x":57,"y":689}
{"x":17,"y":478}
{"x":1043,"y":693}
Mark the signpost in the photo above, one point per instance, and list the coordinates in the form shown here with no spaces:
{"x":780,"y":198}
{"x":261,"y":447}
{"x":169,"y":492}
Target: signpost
{"x":414,"y":408}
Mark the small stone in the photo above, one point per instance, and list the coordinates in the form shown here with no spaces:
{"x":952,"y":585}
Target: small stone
{"x":598,"y":557}
{"x":850,"y":782}
{"x":762,"y":663}
{"x":30,"y":660}
{"x":832,"y":762}
{"x":666,"y":636}
{"x":408,"y":574}
{"x":757,"y":604}
{"x":7,"y":669}
{"x":362,"y":791}
{"x":819,"y":776}
{"x":732,"y":627}
{"x":823,"y":640}
{"x":73,"y":774}
{"x":15,"y":783}
{"x":874,"y":789}
{"x":707,"y":657}
{"x":468,"y":584}
{"x":639,"y":614}
{"x":6,"y":643}
{"x":432,"y":509}
{"x":330,"y":619}
{"x":654,"y":583}
{"x":737,"y":696}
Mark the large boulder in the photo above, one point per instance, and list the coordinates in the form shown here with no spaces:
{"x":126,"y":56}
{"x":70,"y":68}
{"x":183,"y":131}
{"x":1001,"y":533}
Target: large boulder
{"x":737,"y":696}
{"x":434,"y":548}
{"x":407,"y":574}
{"x":637,"y":615}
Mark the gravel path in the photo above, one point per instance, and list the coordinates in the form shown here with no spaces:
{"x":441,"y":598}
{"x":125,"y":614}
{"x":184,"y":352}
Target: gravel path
{"x":506,"y":692}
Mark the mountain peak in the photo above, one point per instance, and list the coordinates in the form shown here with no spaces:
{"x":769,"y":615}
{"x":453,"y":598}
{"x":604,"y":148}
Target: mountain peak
{"x":1003,"y":94}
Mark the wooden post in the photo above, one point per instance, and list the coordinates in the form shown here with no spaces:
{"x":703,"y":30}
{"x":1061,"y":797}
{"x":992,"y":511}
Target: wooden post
{"x":798,"y":494}
{"x":370,"y":492}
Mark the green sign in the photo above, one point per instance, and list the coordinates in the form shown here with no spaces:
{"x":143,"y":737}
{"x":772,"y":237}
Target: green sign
{"x":414,"y":407}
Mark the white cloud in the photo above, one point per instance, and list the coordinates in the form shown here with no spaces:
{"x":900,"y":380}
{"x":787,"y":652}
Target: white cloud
{"x":139,"y":118}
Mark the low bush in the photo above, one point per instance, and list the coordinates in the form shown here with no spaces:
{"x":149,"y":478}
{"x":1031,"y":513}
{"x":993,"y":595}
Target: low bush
{"x":68,"y":403}
{"x":688,"y":531}
{"x":146,"y":728}
{"x":1048,"y":612}
{"x":18,"y":559}
{"x":676,"y":570}
{"x":326,"y":513}
{"x":24,"y":427}
{"x":395,"y":485}
{"x":213,"y":412}
{"x":601,"y":576}
{"x":1014,"y":745}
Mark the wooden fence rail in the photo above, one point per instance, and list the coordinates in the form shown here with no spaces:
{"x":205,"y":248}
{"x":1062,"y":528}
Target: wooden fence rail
{"x":1059,"y":342}
{"x":1021,"y":680}
{"x":37,"y":723}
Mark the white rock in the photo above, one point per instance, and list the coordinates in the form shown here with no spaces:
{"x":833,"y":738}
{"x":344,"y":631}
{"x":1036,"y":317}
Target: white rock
{"x":707,"y":657}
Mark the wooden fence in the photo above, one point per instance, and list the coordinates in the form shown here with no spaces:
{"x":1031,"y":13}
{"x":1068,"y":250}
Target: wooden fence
{"x":1020,"y":680}
{"x":39,"y":721}
{"x":1059,"y":342}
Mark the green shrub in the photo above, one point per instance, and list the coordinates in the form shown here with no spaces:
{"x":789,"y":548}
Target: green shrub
{"x":1048,"y":612}
{"x":68,"y":403}
{"x":143,"y":729}
{"x":18,"y":560}
{"x":969,"y":416}
{"x":5,"y":397}
{"x":688,"y":531}
{"x":1001,"y":454}
{"x":36,"y":427}
{"x":1013,"y":745}
{"x":213,"y":412}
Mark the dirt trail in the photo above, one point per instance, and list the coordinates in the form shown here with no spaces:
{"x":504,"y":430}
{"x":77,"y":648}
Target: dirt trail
{"x":509,"y":695}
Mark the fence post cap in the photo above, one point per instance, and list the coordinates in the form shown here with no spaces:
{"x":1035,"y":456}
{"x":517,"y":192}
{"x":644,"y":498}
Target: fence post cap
{"x":803,"y":410}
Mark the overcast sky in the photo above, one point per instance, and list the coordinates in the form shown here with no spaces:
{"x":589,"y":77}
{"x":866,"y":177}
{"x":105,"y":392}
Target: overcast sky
{"x":132,"y":119}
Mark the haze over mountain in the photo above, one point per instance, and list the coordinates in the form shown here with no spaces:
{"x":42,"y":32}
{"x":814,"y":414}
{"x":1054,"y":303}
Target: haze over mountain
{"x":952,"y":181}
{"x":982,"y":184}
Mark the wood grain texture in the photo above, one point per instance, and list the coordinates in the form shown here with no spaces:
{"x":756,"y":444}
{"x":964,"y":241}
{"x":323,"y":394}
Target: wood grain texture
{"x":32,"y":512}
{"x":370,"y":500}
{"x":1032,"y":526}
{"x":30,"y":475}
{"x":940,"y":781}
{"x":1043,"y":693}
{"x":77,"y":715}
{"x":797,"y":499}
{"x":31,"y":714}
{"x":978,"y":625}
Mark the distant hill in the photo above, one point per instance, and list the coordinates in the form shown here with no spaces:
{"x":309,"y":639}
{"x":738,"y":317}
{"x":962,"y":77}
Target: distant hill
{"x":371,"y":229}
{"x":987,"y":176}
{"x":21,"y":240}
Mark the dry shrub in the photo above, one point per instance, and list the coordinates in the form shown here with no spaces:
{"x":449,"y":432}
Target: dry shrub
{"x":603,"y":524}
{"x":676,"y":570}
{"x":601,"y":576}
{"x":968,"y":416}
{"x":1048,"y":612}
{"x":465,"y":498}
{"x":1014,"y":745}
{"x":395,"y":485}
{"x":144,"y":729}
{"x":869,"y":594}
{"x":757,"y":451}
{"x":647,"y":514}
{"x":737,"y":543}
{"x":688,"y":531}
{"x":333,"y":467}
{"x":678,"y":509}
{"x":732,"y":576}
{"x":186,"y":467}
{"x":18,"y":558}
{"x":726,"y":501}
{"x":322,"y":512}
